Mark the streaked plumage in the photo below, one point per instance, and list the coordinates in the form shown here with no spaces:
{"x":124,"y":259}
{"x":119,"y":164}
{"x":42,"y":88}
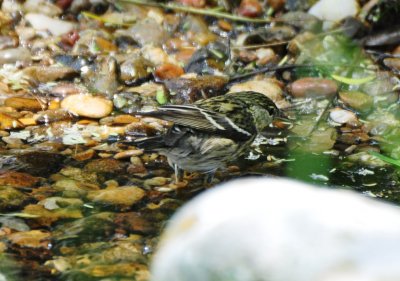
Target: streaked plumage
{"x":209,"y":133}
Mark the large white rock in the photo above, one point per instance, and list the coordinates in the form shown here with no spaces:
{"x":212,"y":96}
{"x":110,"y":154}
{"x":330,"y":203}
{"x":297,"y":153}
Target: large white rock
{"x":334,"y":10}
{"x":266,"y":229}
{"x":44,"y":23}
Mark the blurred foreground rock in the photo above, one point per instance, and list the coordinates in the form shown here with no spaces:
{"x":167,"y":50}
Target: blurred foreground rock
{"x":276,"y":229}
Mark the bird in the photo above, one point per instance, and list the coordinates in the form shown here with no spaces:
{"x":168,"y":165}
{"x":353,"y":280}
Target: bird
{"x":209,"y":133}
{"x":274,"y":229}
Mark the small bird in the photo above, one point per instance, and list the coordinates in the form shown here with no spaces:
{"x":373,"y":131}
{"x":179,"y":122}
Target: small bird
{"x":210,"y":133}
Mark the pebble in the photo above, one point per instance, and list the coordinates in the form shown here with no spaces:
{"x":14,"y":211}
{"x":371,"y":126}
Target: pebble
{"x":194,"y":3}
{"x":250,"y":8}
{"x":128,"y":153}
{"x":84,"y":155}
{"x":124,"y":195}
{"x":328,"y":10}
{"x":268,"y":87}
{"x":342,"y":116}
{"x":55,"y":26}
{"x":14,"y":55}
{"x":357,"y":100}
{"x":311,"y":87}
{"x":24,"y":104}
{"x":8,"y":122}
{"x":87,"y":106}
{"x":65,"y":89}
{"x":124,"y":119}
{"x":136,"y":166}
{"x":392,"y":63}
{"x":107,"y":165}
{"x":168,"y":71}
{"x":18,"y":179}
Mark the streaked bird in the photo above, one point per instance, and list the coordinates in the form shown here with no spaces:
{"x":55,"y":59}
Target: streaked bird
{"x":268,"y":229}
{"x":210,"y":133}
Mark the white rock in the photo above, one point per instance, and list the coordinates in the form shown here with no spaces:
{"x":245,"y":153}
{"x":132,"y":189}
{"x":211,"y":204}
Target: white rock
{"x":334,"y":10}
{"x":87,"y":106}
{"x":55,"y":26}
{"x":343,"y":116}
{"x":269,"y":229}
{"x":42,"y":7}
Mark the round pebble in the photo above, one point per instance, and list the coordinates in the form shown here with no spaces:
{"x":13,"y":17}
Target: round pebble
{"x":87,"y":106}
{"x":24,"y":104}
{"x":311,"y":87}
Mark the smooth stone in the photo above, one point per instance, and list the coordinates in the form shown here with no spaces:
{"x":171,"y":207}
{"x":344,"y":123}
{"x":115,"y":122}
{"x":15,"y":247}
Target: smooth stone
{"x":313,"y":87}
{"x":8,"y":122}
{"x":268,"y":88}
{"x":87,"y":106}
{"x":55,"y":26}
{"x":343,"y":116}
{"x":124,"y":195}
{"x":278,"y":229}
{"x":24,"y":104}
{"x":334,"y":10}
{"x":357,"y":100}
{"x":14,"y":55}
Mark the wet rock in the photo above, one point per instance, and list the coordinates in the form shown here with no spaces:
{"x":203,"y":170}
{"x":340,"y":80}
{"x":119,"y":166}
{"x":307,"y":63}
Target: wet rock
{"x":31,"y":239}
{"x":55,"y":26}
{"x":110,"y":166}
{"x":14,"y":55}
{"x":124,"y":119}
{"x":313,"y":87}
{"x":168,"y":71}
{"x":268,"y":87}
{"x":44,"y":74}
{"x":41,"y":7}
{"x":342,"y":116}
{"x":135,"y":69}
{"x":328,"y":9}
{"x":40,"y":163}
{"x":52,"y":115}
{"x":87,"y":106}
{"x":53,"y":203}
{"x":64,"y":89}
{"x":189,"y":90}
{"x":136,"y":166}
{"x":156,"y":55}
{"x":133,"y":222}
{"x":92,"y":228}
{"x":194,"y":3}
{"x":84,"y":155}
{"x":250,"y":8}
{"x":8,"y":42}
{"x":8,"y":122}
{"x":303,"y":21}
{"x":124,"y":196}
{"x":18,"y":179}
{"x":128,"y":153}
{"x":393,"y":64}
{"x":266,"y":35}
{"x":357,"y":100}
{"x":11,"y":198}
{"x":103,"y":77}
{"x":44,"y":217}
{"x":24,"y":104}
{"x":148,"y":31}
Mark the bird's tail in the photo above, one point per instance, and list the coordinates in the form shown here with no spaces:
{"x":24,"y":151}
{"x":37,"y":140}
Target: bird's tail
{"x":146,"y":143}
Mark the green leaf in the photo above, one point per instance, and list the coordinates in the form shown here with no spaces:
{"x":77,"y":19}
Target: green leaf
{"x":385,"y":158}
{"x":161,"y":97}
{"x":353,"y":81}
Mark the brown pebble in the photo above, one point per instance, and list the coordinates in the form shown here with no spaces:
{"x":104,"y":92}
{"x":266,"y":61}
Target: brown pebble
{"x":194,"y":3}
{"x":7,"y":122}
{"x":224,"y":25}
{"x":168,"y":71}
{"x":250,"y":8}
{"x":125,"y":119}
{"x":24,"y":104}
{"x":29,"y":121}
{"x":85,"y":155}
{"x":128,"y":153}
{"x":18,"y":179}
{"x":392,"y":63}
{"x":312,"y":87}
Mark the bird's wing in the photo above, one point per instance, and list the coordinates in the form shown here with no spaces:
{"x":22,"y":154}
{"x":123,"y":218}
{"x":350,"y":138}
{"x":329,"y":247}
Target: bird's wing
{"x":201,"y":119}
